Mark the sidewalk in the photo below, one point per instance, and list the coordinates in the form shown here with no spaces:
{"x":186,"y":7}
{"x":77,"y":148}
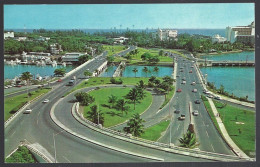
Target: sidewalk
{"x":221,"y":125}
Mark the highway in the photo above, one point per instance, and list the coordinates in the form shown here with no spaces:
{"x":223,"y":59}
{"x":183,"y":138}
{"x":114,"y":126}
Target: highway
{"x":38,"y":127}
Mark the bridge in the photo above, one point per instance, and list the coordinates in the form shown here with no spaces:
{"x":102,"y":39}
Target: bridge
{"x":210,"y":63}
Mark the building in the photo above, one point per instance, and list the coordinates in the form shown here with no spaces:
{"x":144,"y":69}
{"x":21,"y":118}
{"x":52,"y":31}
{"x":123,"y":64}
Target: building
{"x":166,"y":34}
{"x":71,"y":57}
{"x":120,"y":40}
{"x":39,"y":54}
{"x":43,"y":38}
{"x":20,"y":38}
{"x":8,"y":35}
{"x":243,"y":34}
{"x":218,"y":39}
{"x":55,"y":48}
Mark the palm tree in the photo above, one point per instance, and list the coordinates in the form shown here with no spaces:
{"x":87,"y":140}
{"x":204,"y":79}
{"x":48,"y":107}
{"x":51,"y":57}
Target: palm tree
{"x":133,"y":95}
{"x":135,"y":70}
{"x":121,"y":105}
{"x":135,"y":125}
{"x":95,"y":115}
{"x":26,"y":76}
{"x":188,"y":140}
{"x":112,"y":99}
{"x":156,"y":69}
{"x":145,"y":69}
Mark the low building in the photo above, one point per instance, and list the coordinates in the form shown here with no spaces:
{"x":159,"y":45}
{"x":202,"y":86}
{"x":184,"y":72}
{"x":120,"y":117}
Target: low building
{"x":166,"y":34}
{"x":218,"y":39}
{"x":43,"y":38}
{"x":55,"y":48}
{"x":71,"y":57}
{"x":39,"y":54}
{"x":20,"y":38}
{"x":243,"y":34}
{"x":8,"y":35}
{"x":120,"y":40}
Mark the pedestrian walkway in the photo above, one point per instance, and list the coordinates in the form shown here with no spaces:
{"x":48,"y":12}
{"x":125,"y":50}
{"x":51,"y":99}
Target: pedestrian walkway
{"x":221,"y":125}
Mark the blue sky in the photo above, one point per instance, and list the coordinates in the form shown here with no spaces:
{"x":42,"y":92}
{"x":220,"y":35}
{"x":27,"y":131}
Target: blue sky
{"x":140,"y":15}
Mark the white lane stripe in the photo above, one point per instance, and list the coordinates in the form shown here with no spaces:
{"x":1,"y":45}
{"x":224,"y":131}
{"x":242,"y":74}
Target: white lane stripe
{"x":66,"y":159}
{"x":207,"y":133}
{"x":13,"y":133}
{"x":178,"y":127}
{"x":212,"y":148}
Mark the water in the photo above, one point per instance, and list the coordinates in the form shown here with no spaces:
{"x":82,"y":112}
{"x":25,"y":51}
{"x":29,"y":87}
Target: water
{"x":11,"y":71}
{"x":109,"y":71}
{"x":163,"y":71}
{"x":242,"y":56}
{"x":206,"y":32}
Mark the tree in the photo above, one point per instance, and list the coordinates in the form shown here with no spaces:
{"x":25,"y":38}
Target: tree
{"x":161,"y":52}
{"x":153,"y":59}
{"x":165,"y":87}
{"x":135,"y":95}
{"x":121,"y":105}
{"x":84,"y":98}
{"x":221,"y":89}
{"x":110,"y":59}
{"x":145,"y":69}
{"x":95,"y":115}
{"x":140,"y":84}
{"x":168,"y":80}
{"x":59,"y":72}
{"x":84,"y":58}
{"x":135,"y":70}
{"x":188,"y":140}
{"x":156,"y":69}
{"x":26,"y":76}
{"x":135,"y":125}
{"x":112,"y":99}
{"x":87,"y":73}
{"x":146,"y":56}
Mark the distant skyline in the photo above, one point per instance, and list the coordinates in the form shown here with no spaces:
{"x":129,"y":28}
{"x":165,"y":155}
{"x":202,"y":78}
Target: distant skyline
{"x":137,"y":16}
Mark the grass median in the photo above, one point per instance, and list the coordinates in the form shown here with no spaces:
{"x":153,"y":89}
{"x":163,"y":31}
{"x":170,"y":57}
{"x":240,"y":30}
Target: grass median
{"x":240,"y":125}
{"x":113,"y":49}
{"x":154,"y":132}
{"x":113,"y":116}
{"x":13,"y":104}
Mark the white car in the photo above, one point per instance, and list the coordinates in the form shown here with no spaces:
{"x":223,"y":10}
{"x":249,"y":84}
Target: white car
{"x":27,"y":111}
{"x":194,"y":90}
{"x":6,"y":87}
{"x":193,"y":83}
{"x":210,"y":96}
{"x":218,"y":98}
{"x":9,"y":86}
{"x":46,"y":101}
{"x":195,"y":112}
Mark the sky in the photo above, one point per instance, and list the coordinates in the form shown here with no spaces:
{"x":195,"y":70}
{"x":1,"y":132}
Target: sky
{"x":137,"y":16}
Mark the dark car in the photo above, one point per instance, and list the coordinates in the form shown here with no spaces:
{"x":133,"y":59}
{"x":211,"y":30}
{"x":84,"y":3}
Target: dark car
{"x":182,"y":117}
{"x":197,"y":102}
{"x":177,"y":111}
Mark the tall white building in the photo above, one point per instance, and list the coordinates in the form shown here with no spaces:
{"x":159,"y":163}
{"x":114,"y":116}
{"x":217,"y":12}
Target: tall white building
{"x":243,"y":34}
{"x":8,"y":35}
{"x":218,"y":39}
{"x":166,"y":34}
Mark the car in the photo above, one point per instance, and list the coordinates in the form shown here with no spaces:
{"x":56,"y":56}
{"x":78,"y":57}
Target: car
{"x":184,"y":79}
{"x":177,"y":76}
{"x":182,"y":117}
{"x":183,"y":82}
{"x":6,"y":87}
{"x":190,"y":71}
{"x":210,"y":96}
{"x":177,"y":111}
{"x":27,"y":111}
{"x":194,"y":90}
{"x":9,"y":86}
{"x":46,"y":101}
{"x":192,"y":67}
{"x":19,"y":86}
{"x":181,"y":67}
{"x":195,"y":112}
{"x":193,"y":83}
{"x":197,"y":102}
{"x":218,"y":97}
{"x":59,"y":80}
{"x":181,"y":70}
{"x":179,"y":90}
{"x":205,"y":91}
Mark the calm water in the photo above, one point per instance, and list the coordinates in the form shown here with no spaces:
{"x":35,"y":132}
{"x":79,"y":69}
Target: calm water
{"x":109,"y":71}
{"x":11,"y":71}
{"x":249,"y":55}
{"x":163,"y":71}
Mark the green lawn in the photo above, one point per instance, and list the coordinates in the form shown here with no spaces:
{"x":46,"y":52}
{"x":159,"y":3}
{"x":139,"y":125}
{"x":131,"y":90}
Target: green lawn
{"x":95,"y":81}
{"x":111,"y":115}
{"x":154,"y":132}
{"x":12,"y":104}
{"x":137,"y":58}
{"x":113,"y":49}
{"x":242,"y":134}
{"x":22,"y":155}
{"x":176,"y":52}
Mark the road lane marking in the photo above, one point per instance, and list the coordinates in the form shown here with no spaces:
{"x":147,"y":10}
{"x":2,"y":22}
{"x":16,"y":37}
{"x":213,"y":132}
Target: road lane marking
{"x":178,"y":127}
{"x":207,"y":133}
{"x":212,"y":148}
{"x":66,"y":159}
{"x":13,"y":133}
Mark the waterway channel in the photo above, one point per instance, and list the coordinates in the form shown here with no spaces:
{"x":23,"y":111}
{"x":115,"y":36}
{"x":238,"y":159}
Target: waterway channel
{"x":237,"y":80}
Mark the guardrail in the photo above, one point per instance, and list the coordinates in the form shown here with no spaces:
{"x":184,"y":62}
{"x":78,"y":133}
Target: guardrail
{"x":45,"y":158}
{"x":153,"y":144}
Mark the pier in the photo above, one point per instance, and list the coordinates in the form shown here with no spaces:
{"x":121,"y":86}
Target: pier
{"x":210,"y":63}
